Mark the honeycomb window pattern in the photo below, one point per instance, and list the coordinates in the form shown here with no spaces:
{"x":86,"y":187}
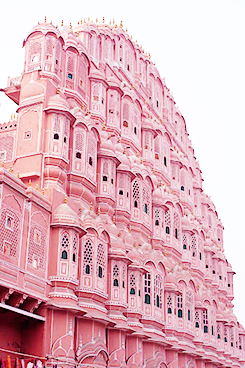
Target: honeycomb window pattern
{"x":36,"y":250}
{"x":101,"y":259}
{"x":9,"y":235}
{"x":88,"y":257}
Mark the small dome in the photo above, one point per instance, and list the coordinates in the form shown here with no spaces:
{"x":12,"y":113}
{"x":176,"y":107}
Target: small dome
{"x":107,"y":145}
{"x":65,"y":216}
{"x":57,"y":102}
{"x":32,"y":89}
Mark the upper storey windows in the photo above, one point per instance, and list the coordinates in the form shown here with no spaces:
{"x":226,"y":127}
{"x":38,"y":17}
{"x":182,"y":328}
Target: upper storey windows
{"x":34,"y":54}
{"x":131,"y":121}
{"x":43,"y":53}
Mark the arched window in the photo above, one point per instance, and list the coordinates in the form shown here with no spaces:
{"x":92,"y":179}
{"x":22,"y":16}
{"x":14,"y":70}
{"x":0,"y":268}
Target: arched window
{"x":87,"y":269}
{"x":88,"y":257}
{"x":115,"y":275}
{"x":100,"y":271}
{"x":136,"y":194}
{"x":78,"y":155}
{"x":147,"y":288}
{"x":205,"y":321}
{"x":132,"y":284}
{"x":182,"y":187}
{"x":189,"y":315}
{"x":145,"y":208}
{"x":165,"y":161}
{"x":180,"y":305}
{"x":65,"y":242}
{"x":64,"y":254}
{"x":197,"y":319}
{"x":169,"y":304}
{"x":158,"y":291}
{"x":56,"y":136}
{"x":167,"y":222}
{"x":101,"y":260}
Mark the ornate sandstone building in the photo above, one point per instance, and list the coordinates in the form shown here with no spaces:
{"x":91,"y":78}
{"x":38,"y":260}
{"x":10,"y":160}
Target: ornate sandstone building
{"x":111,"y":254}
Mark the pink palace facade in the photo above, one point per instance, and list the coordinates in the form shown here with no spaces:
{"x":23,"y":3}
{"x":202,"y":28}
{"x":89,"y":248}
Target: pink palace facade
{"x":111,"y":254}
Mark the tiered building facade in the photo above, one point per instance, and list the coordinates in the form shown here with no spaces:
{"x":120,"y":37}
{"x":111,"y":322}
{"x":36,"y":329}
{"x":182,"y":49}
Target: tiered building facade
{"x":111,"y":254}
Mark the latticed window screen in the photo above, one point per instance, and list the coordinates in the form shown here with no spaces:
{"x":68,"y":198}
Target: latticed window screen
{"x":101,"y":260}
{"x":180,"y":305}
{"x":157,"y":216}
{"x":136,"y":194}
{"x":65,"y":243}
{"x":176,"y":226}
{"x":205,"y":320}
{"x":225,"y":334}
{"x":197,"y":318}
{"x":74,"y":248}
{"x":126,"y":111}
{"x":9,"y":234}
{"x":169,"y":304}
{"x":35,"y":51}
{"x":88,"y":257}
{"x":147,"y":288}
{"x":115,"y":274}
{"x":132,"y":283}
{"x":146,"y":200}
{"x":158,"y":291}
{"x":56,"y":124}
{"x":167,"y":221}
{"x":193,"y":246}
{"x":185,"y":241}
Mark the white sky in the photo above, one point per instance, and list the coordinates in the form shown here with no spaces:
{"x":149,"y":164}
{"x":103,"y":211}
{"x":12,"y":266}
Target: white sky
{"x":198,"y":46}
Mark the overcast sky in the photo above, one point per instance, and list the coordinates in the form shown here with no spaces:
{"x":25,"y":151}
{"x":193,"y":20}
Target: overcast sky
{"x":198,"y":46}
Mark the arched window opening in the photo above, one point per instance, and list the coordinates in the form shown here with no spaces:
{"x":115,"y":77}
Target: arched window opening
{"x":176,"y":233}
{"x":104,"y":178}
{"x":88,"y":257}
{"x":147,"y":288}
{"x":90,"y":161}
{"x":69,"y":75}
{"x":125,"y":123}
{"x":205,"y":321}
{"x":158,"y":301}
{"x":146,"y":210}
{"x":180,"y":305}
{"x":184,"y":246}
{"x":64,"y":139}
{"x":212,"y":330}
{"x":87,"y":269}
{"x":56,"y":136}
{"x":157,"y":104}
{"x":167,"y":230}
{"x":182,"y":187}
{"x":132,"y":291}
{"x":78,"y":155}
{"x":147,"y":299}
{"x":189,"y":315}
{"x":100,"y":272}
{"x":165,"y":161}
{"x":135,"y":130}
{"x":120,"y":192}
{"x":169,"y":304}
{"x":218,"y":336}
{"x":115,"y":275}
{"x":135,"y":204}
{"x":64,"y":254}
{"x":157,"y":222}
{"x":74,"y":257}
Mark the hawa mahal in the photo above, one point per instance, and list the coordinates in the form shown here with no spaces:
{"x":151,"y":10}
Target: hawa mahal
{"x":111,"y":254}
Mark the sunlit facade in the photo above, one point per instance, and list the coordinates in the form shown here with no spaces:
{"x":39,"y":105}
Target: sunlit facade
{"x":111,"y":254}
